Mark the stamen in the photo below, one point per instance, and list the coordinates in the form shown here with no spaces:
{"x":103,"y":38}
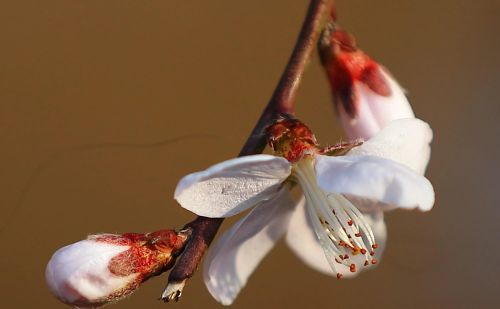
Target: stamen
{"x":340,"y":227}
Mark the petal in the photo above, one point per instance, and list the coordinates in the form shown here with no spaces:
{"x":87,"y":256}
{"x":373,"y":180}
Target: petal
{"x":364,"y":125}
{"x":78,"y":274}
{"x":374,"y":111}
{"x":234,"y":257}
{"x":406,"y":141}
{"x":375,"y":179}
{"x":304,"y":243}
{"x":387,"y":108}
{"x":232,"y":186}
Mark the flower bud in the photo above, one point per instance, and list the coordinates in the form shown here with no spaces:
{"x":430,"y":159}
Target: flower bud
{"x":106,"y":267}
{"x":366,"y":96}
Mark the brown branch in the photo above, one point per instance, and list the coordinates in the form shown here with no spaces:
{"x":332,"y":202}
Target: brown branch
{"x":282,"y":102}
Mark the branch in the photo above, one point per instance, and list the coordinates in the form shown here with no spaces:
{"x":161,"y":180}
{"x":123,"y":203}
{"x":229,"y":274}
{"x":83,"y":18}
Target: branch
{"x":282,"y":102}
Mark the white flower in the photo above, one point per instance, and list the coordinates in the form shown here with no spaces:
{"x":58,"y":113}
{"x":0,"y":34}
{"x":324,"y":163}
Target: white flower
{"x":366,"y":96}
{"x":105,"y":268}
{"x":336,"y":229}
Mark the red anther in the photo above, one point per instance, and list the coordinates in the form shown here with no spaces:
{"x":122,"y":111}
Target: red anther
{"x":363,"y":251}
{"x":366,"y":263}
{"x":349,"y":222}
{"x":372,"y":253}
{"x":374,"y":246}
{"x":374,"y":261}
{"x":346,"y":257}
{"x":352,"y":268}
{"x":349,"y":235}
{"x":357,"y":234}
{"x":339,"y":276}
{"x":341,"y":243}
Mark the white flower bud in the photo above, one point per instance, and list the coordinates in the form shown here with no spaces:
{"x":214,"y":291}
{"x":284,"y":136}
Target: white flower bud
{"x":366,"y":96}
{"x":105,"y":268}
{"x":79,"y":274}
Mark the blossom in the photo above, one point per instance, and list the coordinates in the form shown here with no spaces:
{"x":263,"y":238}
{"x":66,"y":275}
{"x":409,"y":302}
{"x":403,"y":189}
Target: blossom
{"x":366,"y":95}
{"x":338,"y":229}
{"x":106,"y":267}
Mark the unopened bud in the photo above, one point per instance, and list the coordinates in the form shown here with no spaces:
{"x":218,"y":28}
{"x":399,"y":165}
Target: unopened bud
{"x":106,"y":267}
{"x":366,"y":96}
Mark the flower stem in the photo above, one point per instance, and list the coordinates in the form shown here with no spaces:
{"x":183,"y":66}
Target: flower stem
{"x":283,"y":99}
{"x":282,"y":102}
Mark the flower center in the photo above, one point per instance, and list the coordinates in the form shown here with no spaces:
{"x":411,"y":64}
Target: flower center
{"x":342,"y":231}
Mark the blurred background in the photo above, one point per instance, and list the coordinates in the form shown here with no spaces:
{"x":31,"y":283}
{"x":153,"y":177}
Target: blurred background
{"x":104,"y":105}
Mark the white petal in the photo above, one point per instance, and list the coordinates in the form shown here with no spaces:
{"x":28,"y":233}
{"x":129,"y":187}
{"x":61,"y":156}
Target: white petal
{"x":374,"y":111}
{"x":363,"y":126}
{"x":406,"y":141}
{"x":386,"y":109}
{"x":376,"y":179}
{"x":232,"y":186}
{"x":234,"y":257}
{"x":79,"y":273}
{"x":304,"y":243}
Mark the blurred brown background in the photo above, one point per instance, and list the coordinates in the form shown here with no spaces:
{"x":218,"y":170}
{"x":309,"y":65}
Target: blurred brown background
{"x":104,"y":105}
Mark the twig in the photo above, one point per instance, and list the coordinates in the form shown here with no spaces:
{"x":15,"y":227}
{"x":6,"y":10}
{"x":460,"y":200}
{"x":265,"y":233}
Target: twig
{"x":282,"y":102}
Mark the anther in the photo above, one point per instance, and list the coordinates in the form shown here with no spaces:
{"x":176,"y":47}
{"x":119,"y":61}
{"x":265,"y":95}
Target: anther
{"x":366,"y":263}
{"x":372,"y":253}
{"x":339,"y":276}
{"x":349,"y":222}
{"x":363,"y":251}
{"x":374,"y":261}
{"x":374,"y":246}
{"x":352,"y":268}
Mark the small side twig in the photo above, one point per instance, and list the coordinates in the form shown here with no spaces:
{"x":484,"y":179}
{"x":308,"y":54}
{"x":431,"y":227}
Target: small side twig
{"x":282,"y":102}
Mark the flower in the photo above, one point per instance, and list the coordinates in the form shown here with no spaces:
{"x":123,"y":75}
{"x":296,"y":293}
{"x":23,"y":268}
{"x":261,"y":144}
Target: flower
{"x":337,"y":230}
{"x":366,"y":96}
{"x":106,"y":267}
